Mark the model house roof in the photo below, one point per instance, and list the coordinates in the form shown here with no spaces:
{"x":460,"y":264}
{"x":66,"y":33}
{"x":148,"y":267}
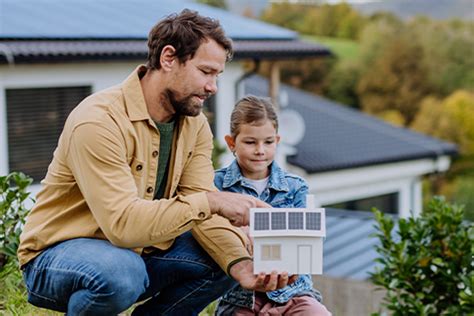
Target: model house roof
{"x":287,"y":222}
{"x":338,"y":137}
{"x":60,"y":30}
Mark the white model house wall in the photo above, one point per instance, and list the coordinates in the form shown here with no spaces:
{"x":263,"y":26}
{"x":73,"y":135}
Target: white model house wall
{"x":299,"y":254}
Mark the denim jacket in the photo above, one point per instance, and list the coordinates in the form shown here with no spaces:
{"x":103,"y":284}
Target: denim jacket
{"x":283,"y":190}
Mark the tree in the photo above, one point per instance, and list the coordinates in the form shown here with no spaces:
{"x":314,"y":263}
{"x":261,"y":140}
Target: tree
{"x":286,"y":15}
{"x":451,"y":119}
{"x":394,"y":78}
{"x":214,"y":3}
{"x":351,"y":25}
{"x":338,"y":20}
{"x":341,"y":82}
{"x":448,"y":47}
{"x":426,"y":266}
{"x":306,"y":74}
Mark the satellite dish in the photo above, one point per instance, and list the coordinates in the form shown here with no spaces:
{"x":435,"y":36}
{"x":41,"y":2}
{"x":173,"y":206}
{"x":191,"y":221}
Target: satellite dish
{"x":292,"y":127}
{"x":283,"y":99}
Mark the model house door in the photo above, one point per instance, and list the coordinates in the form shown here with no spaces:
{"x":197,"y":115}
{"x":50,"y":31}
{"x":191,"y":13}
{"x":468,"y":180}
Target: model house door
{"x":304,"y":259}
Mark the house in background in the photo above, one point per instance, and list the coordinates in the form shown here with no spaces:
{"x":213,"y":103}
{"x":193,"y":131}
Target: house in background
{"x":54,"y":53}
{"x":354,"y":161}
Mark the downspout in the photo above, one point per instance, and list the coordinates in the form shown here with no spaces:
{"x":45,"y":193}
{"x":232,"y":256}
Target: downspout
{"x":256,"y":67}
{"x":6,"y":51}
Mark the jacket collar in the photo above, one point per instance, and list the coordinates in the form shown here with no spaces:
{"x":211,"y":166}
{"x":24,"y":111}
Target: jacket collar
{"x":134,"y":100}
{"x":277,"y":179}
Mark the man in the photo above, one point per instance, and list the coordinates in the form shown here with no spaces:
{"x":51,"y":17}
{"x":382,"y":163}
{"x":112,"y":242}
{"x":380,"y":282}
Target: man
{"x":130,"y":178}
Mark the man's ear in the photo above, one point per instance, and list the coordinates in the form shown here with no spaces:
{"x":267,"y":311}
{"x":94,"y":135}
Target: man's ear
{"x":230,"y":141}
{"x":167,"y":57}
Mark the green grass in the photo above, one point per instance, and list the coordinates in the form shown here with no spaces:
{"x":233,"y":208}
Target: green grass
{"x":342,"y":48}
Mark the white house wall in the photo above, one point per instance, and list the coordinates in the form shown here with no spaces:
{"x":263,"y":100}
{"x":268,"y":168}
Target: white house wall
{"x":225,"y":101}
{"x":96,"y":75}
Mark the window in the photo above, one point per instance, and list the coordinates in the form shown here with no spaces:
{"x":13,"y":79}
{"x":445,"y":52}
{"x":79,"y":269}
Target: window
{"x":278,"y":220}
{"x":313,"y":221}
{"x":262,"y":221}
{"x":387,"y":203}
{"x":35,"y":119}
{"x":295,"y":220}
{"x":271,"y":252}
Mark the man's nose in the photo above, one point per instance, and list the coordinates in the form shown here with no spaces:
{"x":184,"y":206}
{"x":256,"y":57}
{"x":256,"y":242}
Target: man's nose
{"x":211,"y":86}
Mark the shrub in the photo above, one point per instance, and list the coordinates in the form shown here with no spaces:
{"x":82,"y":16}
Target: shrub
{"x":13,"y":212}
{"x":426,"y":265}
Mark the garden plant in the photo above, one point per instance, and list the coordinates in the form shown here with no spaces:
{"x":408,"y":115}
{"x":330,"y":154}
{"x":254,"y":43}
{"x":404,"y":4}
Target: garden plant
{"x":426,"y":262}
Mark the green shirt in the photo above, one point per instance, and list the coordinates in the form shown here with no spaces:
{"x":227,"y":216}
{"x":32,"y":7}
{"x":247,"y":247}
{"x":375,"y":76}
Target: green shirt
{"x":166,"y":139}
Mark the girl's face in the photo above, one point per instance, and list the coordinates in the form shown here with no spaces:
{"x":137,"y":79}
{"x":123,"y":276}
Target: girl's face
{"x":254,"y":148}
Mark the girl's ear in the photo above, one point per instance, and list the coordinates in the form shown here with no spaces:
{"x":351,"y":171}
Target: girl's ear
{"x":167,"y":57}
{"x":278,"y":139}
{"x":230,"y":142}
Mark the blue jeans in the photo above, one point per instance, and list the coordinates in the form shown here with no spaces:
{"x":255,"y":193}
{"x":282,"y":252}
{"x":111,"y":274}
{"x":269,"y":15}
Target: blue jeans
{"x":92,"y":277}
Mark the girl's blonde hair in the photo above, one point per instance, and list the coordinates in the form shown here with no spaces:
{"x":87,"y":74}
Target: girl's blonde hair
{"x":252,"y":110}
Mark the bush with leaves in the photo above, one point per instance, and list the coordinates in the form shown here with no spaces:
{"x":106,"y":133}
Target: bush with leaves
{"x":427,"y":267}
{"x":13,"y":212}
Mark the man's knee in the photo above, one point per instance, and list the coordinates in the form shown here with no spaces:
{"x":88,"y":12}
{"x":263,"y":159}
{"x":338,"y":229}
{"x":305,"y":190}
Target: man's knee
{"x":124,"y":276}
{"x":116,"y":285}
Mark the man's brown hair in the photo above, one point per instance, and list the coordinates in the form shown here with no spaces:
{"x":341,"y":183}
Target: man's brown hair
{"x":185,"y":31}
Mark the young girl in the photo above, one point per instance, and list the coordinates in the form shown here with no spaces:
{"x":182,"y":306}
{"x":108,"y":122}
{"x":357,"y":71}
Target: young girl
{"x":253,"y":141}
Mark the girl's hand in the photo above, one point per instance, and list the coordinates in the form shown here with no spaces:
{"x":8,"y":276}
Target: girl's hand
{"x":242,"y":272}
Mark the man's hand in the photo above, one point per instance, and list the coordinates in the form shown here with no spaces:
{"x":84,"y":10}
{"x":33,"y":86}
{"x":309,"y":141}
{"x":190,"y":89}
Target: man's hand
{"x":233,"y":206}
{"x":242,"y":272}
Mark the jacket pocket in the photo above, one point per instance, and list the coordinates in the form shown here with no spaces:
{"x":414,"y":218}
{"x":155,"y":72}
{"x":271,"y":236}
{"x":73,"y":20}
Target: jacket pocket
{"x":282,"y":202}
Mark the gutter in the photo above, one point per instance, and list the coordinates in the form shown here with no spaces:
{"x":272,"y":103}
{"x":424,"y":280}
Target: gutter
{"x":5,"y":51}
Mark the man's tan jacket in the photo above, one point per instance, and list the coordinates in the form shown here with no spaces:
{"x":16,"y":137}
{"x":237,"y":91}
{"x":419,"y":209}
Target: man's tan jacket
{"x":101,"y":182}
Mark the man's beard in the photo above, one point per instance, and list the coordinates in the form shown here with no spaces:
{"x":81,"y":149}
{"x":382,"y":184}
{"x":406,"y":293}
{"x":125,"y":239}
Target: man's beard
{"x":186,"y":106}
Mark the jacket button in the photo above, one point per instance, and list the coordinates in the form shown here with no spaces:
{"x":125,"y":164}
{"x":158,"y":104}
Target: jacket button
{"x":154,"y":153}
{"x":202,"y":215}
{"x":149,"y":190}
{"x":139,"y":167}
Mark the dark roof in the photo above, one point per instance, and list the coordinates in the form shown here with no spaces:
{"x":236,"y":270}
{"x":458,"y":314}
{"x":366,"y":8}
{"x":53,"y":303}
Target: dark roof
{"x":35,"y":51}
{"x":69,"y":30}
{"x":349,"y":249}
{"x":338,"y":137}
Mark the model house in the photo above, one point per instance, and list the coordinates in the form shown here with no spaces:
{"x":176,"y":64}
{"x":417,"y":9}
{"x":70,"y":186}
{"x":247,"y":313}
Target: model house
{"x":288,"y":239}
